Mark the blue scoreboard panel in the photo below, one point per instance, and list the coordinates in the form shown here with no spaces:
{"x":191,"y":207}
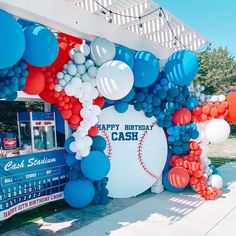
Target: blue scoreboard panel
{"x":30,"y":180}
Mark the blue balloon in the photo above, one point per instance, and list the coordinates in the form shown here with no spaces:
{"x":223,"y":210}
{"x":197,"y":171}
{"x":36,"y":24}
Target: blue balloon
{"x":12,"y":40}
{"x":181,"y":67}
{"x":95,"y":166}
{"x":67,"y":144}
{"x":79,"y":193}
{"x":104,"y":200}
{"x":168,"y":186}
{"x":41,"y":46}
{"x":129,"y":97}
{"x":73,"y":174}
{"x":125,"y":55}
{"x":24,"y":22}
{"x":12,"y":97}
{"x":60,"y":122}
{"x":70,"y":159}
{"x":121,"y":107}
{"x":104,"y":192}
{"x":99,"y":143}
{"x":146,"y":69}
{"x":96,"y":199}
{"x":191,"y":103}
{"x":217,"y":172}
{"x":167,"y":165}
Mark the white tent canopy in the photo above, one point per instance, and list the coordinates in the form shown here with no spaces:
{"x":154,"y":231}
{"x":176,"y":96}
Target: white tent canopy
{"x":177,"y":35}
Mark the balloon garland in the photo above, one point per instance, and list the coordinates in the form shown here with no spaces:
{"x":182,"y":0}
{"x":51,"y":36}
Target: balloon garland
{"x":81,"y":79}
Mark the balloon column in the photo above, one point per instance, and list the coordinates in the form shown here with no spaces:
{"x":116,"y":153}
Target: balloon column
{"x":79,"y":78}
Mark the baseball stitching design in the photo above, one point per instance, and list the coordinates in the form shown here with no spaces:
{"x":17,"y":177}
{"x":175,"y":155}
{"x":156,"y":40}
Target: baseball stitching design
{"x":108,"y":141}
{"x":140,"y":153}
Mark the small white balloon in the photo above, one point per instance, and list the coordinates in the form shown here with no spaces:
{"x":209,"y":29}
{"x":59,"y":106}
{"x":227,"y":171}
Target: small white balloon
{"x":79,"y":58}
{"x":85,"y":152}
{"x":214,"y":98}
{"x":216,"y":181}
{"x":70,"y":90}
{"x":92,"y":71}
{"x":72,"y":70}
{"x":81,"y":69}
{"x":60,"y":75}
{"x":73,"y":147}
{"x":88,"y":141}
{"x":67,"y":77}
{"x":222,"y":98}
{"x":76,"y":82}
{"x":80,"y":145}
{"x":84,"y":112}
{"x":72,"y":52}
{"x":85,"y":77}
{"x":84,"y":49}
{"x":58,"y":88}
{"x":62,"y":82}
{"x":65,"y":66}
{"x":77,"y":156}
{"x":89,"y":63}
{"x":79,"y":93}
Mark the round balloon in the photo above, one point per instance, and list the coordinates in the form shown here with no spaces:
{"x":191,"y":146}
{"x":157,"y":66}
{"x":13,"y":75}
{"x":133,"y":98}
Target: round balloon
{"x":114,"y":80}
{"x":41,"y":46}
{"x":95,"y":166}
{"x":12,"y":40}
{"x":231,"y":100}
{"x":182,"y":116}
{"x":217,"y":130}
{"x":102,"y":50}
{"x":79,"y":193}
{"x":146,"y":69}
{"x":35,"y":81}
{"x":216,"y":181}
{"x":168,"y":186}
{"x":178,"y":177}
{"x":46,"y":96}
{"x":181,"y":67}
{"x":99,"y":143}
{"x":125,"y":55}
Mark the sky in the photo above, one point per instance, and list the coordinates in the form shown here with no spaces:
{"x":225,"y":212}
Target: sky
{"x":214,"y":19}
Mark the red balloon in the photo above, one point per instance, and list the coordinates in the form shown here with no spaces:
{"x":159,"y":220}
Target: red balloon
{"x":182,"y":117}
{"x":70,"y":38}
{"x":231,"y":99}
{"x":75,"y":119}
{"x":47,"y":96}
{"x":76,"y":108}
{"x":178,"y":177}
{"x":93,"y":131}
{"x":35,"y":81}
{"x":66,"y":114}
{"x":99,"y":101}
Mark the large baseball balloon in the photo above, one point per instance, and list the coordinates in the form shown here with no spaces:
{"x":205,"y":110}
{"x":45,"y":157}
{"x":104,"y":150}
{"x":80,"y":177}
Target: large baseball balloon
{"x":114,"y":80}
{"x":137,"y":149}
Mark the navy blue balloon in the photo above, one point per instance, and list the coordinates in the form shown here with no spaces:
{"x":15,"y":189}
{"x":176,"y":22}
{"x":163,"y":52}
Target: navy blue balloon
{"x":79,"y":193}
{"x":99,"y":143}
{"x":70,"y":159}
{"x":181,"y":67}
{"x":67,"y":144}
{"x":11,"y":97}
{"x":73,"y":174}
{"x":191,"y":103}
{"x":96,"y":199}
{"x":168,"y":186}
{"x":104,"y":200}
{"x":12,"y":40}
{"x":24,"y":22}
{"x":146,"y":69}
{"x":121,"y":107}
{"x":60,"y":122}
{"x":125,"y":55}
{"x":41,"y":46}
{"x":167,"y":165}
{"x":95,"y":166}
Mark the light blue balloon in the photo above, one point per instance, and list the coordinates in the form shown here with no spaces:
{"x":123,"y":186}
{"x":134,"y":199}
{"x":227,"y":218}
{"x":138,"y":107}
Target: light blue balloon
{"x":41,"y":46}
{"x":95,"y":166}
{"x":12,"y":40}
{"x":79,"y":193}
{"x":191,"y":103}
{"x":146,"y":69}
{"x":121,"y":107}
{"x":126,"y":55}
{"x":181,"y":67}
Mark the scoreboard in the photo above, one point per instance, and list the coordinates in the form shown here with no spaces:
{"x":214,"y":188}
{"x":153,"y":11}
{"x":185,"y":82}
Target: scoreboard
{"x":30,"y":180}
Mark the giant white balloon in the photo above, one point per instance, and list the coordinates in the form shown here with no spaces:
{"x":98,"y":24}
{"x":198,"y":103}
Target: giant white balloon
{"x":216,"y":181}
{"x":217,"y":130}
{"x":115,"y":79}
{"x":102,"y":50}
{"x":137,"y":149}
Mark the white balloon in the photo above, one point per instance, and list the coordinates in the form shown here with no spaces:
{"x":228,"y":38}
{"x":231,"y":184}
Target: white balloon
{"x":85,"y":152}
{"x":79,"y":58}
{"x":84,"y":49}
{"x":79,"y":93}
{"x":216,"y":181}
{"x":92,"y":71}
{"x":73,"y":147}
{"x":81,"y":69}
{"x":72,"y":52}
{"x":62,"y":82}
{"x":222,"y":98}
{"x":88,"y":141}
{"x":72,"y":70}
{"x":65,"y":66}
{"x":77,"y":156}
{"x":85,"y":77}
{"x":102,"y":50}
{"x":84,"y":112}
{"x":87,"y":87}
{"x":70,"y":90}
{"x":58,"y":88}
{"x":67,"y":77}
{"x":76,"y":82}
{"x":214,"y":98}
{"x":217,"y":130}
{"x":115,"y":79}
{"x":60,"y":75}
{"x":80,"y":145}
{"x":202,"y":88}
{"x":96,"y":110}
{"x":89,"y":63}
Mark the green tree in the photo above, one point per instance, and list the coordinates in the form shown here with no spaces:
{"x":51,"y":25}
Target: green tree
{"x":217,"y":71}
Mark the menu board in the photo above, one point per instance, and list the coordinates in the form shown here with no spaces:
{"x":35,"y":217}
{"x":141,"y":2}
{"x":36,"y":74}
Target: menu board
{"x":30,"y":180}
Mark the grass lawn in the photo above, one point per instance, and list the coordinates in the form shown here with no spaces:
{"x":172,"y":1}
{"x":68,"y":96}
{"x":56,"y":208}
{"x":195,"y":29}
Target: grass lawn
{"x":31,"y":216}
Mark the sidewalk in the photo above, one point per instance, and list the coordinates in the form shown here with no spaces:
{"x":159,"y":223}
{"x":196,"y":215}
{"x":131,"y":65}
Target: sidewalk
{"x":162,"y":214}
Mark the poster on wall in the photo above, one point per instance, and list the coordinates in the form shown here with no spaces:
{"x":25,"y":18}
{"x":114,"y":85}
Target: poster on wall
{"x":30,"y":180}
{"x":137,"y":149}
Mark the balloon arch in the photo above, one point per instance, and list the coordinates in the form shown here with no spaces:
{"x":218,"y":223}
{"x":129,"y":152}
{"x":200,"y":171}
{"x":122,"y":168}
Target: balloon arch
{"x":82,"y":78}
